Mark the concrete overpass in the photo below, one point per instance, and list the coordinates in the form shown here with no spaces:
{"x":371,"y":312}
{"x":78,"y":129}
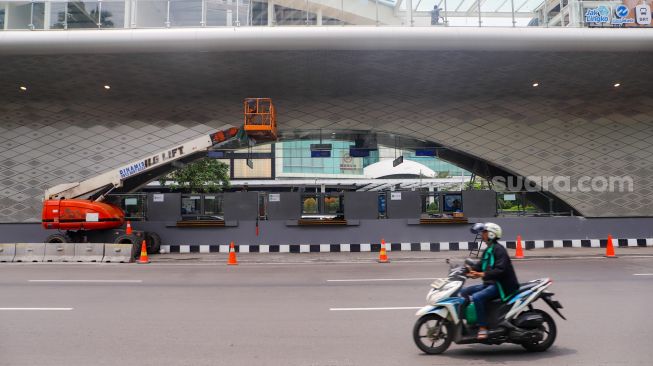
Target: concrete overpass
{"x":470,"y":90}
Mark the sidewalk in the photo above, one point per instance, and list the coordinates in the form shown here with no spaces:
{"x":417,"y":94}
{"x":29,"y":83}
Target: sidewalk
{"x":399,"y":256}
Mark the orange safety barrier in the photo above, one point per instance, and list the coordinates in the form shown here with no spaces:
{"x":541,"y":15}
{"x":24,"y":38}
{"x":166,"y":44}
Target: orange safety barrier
{"x":609,"y":248}
{"x":232,"y":255}
{"x":144,"y":258}
{"x":383,"y":256}
{"x":519,"y":254}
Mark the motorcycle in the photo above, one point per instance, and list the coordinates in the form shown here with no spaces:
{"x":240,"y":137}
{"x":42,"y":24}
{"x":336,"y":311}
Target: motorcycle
{"x":449,"y":318}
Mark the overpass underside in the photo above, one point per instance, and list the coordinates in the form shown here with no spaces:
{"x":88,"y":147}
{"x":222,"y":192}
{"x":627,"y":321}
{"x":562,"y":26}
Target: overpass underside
{"x":476,"y":101}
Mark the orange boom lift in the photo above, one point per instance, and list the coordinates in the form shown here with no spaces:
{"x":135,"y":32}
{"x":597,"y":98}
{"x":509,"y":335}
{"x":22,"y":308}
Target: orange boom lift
{"x":79,"y":207}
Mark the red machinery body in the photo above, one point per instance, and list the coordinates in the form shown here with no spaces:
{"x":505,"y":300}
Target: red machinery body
{"x":77,"y":214}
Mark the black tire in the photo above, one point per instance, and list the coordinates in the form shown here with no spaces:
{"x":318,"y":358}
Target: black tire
{"x":58,"y":238}
{"x":549,"y":327}
{"x":423,"y":332}
{"x":153,"y":242}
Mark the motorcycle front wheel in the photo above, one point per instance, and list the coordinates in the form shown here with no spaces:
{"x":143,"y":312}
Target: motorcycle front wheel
{"x":432,"y":334}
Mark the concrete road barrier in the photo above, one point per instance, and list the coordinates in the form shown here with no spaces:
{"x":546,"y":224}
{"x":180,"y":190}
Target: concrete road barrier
{"x":118,"y":253}
{"x":7,"y":252}
{"x":89,"y":252}
{"x":29,"y":252}
{"x":59,"y":252}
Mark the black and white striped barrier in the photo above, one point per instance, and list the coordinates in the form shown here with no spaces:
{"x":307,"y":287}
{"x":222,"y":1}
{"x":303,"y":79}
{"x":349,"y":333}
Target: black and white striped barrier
{"x":396,"y":247}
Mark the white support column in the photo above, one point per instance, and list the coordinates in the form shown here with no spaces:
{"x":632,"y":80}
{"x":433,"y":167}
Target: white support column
{"x":128,"y":14}
{"x":409,"y":13}
{"x":272,"y":21}
{"x":47,"y":9}
{"x":230,"y":17}
{"x":318,"y":14}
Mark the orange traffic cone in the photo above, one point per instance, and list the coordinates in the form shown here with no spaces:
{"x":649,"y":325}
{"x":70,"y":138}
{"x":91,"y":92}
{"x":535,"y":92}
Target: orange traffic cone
{"x":609,"y":249}
{"x":129,"y":228}
{"x":232,"y":255}
{"x":143,"y":259}
{"x":383,"y":257}
{"x":519,"y":254}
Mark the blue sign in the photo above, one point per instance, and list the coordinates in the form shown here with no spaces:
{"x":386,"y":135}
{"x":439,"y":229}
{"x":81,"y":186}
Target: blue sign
{"x":597,"y":15}
{"x":320,"y":153}
{"x":132,"y":169}
{"x":621,"y":12}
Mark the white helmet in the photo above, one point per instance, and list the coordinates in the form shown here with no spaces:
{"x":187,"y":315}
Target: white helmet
{"x":493,"y":230}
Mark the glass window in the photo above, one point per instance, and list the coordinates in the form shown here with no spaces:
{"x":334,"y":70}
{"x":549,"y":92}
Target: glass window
{"x":83,"y":14}
{"x":151,"y":14}
{"x":332,"y":205}
{"x":310,"y":205}
{"x":213,"y":204}
{"x":19,"y":15}
{"x":191,"y":205}
{"x":262,"y":168}
{"x":57,"y":15}
{"x":133,"y":205}
{"x":225,"y":12}
{"x":452,"y":203}
{"x":2,"y":16}
{"x":185,"y":13}
{"x":430,"y":205}
{"x":217,"y":12}
{"x":112,"y":14}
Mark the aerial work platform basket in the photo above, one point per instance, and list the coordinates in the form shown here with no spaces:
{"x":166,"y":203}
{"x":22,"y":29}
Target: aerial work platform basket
{"x":260,"y":119}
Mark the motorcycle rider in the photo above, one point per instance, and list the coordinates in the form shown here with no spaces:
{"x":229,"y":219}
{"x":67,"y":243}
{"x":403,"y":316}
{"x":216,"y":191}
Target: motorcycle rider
{"x":497,"y":272}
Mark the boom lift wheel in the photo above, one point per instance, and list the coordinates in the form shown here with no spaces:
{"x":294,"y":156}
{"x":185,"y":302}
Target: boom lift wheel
{"x":58,"y":238}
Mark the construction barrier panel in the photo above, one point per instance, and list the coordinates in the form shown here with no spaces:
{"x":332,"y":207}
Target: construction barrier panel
{"x":89,"y":252}
{"x":7,"y":252}
{"x":118,"y":253}
{"x":29,"y":252}
{"x":59,"y":252}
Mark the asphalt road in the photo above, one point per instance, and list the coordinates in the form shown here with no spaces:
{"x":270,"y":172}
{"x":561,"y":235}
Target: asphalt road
{"x":281,"y":314}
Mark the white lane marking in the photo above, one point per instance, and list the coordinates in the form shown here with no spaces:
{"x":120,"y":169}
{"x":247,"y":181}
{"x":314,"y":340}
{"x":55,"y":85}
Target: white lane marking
{"x":36,"y":309}
{"x":642,"y":274}
{"x":372,"y":309}
{"x":383,"y":279}
{"x":89,"y":281}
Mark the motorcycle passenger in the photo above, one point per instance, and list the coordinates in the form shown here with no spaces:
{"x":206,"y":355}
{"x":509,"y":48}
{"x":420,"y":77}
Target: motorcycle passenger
{"x":497,"y":272}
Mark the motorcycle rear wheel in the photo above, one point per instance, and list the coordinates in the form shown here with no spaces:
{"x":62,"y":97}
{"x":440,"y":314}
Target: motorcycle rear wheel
{"x":550,"y":331}
{"x":430,"y":330}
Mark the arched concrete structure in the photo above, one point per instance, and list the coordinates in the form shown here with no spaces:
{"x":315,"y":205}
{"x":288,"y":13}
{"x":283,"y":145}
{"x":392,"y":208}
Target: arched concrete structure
{"x":466,"y":89}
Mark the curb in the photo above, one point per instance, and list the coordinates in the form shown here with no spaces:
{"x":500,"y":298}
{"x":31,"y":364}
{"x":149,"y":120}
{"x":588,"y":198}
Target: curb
{"x":397,"y":247}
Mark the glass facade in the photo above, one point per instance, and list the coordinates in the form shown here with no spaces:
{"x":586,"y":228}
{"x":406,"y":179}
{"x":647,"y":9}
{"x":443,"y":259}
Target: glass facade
{"x":61,"y":14}
{"x":295,"y":160}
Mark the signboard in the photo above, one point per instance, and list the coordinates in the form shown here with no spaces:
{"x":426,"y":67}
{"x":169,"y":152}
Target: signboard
{"x":621,"y":15}
{"x":131,"y":201}
{"x":250,"y":163}
{"x":643,"y":14}
{"x":274,"y":197}
{"x":92,"y":217}
{"x":509,"y":197}
{"x":597,"y":15}
{"x":350,"y":165}
{"x":158,"y":197}
{"x":398,"y":161}
{"x":395,"y":196}
{"x":320,"y":153}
